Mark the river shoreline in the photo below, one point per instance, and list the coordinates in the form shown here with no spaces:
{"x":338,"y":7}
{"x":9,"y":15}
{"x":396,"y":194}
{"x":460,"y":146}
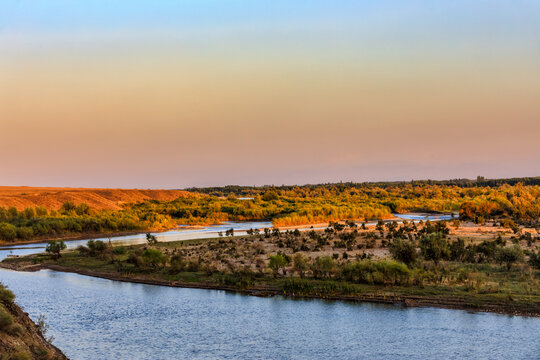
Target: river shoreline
{"x":262,"y":290}
{"x":99,"y":235}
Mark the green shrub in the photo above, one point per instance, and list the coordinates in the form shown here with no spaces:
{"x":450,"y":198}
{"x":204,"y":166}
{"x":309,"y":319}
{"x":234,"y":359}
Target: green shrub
{"x":120,"y":250}
{"x":6,"y":296}
{"x":8,"y":232}
{"x":323,"y":267}
{"x":435,"y":247}
{"x":55,"y":247}
{"x":376,"y":272}
{"x":509,"y":255}
{"x":403,"y":251}
{"x":277,"y":262}
{"x":96,"y":247}
{"x":153,"y":258}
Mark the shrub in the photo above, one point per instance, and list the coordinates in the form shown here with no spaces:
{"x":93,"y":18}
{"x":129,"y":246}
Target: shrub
{"x":534,"y":260}
{"x":457,"y":250}
{"x":509,"y":255}
{"x":153,"y":258}
{"x":434,"y":247}
{"x":277,"y":262}
{"x":55,"y":247}
{"x":323,"y":267}
{"x":151,"y":239}
{"x":403,"y":251}
{"x":96,"y":247}
{"x":6,"y":296}
{"x":376,"y":272}
{"x":14,"y":330}
{"x":120,"y":250}
{"x":300,"y":264}
{"x":8,"y":232}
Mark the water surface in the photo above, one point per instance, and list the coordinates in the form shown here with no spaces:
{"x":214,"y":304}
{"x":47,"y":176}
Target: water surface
{"x":95,"y":318}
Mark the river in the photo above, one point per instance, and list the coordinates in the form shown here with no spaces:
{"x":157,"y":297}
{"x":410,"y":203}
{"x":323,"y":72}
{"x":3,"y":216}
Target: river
{"x":184,"y":232}
{"x":94,"y":318}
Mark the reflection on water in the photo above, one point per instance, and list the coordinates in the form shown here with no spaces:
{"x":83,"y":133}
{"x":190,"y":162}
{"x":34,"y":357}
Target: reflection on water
{"x":94,"y":318}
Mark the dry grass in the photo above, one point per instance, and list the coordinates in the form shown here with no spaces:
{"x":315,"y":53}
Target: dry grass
{"x":53,"y":198}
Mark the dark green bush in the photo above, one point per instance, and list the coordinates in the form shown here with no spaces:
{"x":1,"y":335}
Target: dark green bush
{"x":376,"y":272}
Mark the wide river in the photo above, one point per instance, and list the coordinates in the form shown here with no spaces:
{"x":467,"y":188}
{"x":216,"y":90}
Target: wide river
{"x":94,"y":318}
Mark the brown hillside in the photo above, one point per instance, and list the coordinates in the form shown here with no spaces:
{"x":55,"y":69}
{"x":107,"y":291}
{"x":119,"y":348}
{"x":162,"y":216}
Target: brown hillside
{"x":53,"y":198}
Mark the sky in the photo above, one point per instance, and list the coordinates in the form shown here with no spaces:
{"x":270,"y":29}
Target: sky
{"x":173,"y":94}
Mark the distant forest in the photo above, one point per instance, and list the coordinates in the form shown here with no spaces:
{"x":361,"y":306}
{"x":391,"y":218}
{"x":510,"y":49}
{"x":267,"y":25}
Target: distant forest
{"x":508,"y":202}
{"x":480,"y":181}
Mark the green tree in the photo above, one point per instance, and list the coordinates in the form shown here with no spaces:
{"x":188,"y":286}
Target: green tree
{"x":323,"y":267}
{"x":403,"y":251}
{"x":151,"y":239}
{"x":55,"y":247}
{"x":153,"y":258}
{"x":276,"y":263}
{"x":8,"y":232}
{"x":434,"y":247}
{"x":96,"y":247}
{"x":270,"y":195}
{"x":300,"y":264}
{"x":509,"y":255}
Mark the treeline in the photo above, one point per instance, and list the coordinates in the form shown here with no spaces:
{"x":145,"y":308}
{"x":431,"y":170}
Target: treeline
{"x":284,"y":206}
{"x":39,"y":222}
{"x":332,"y":202}
{"x":247,"y":191}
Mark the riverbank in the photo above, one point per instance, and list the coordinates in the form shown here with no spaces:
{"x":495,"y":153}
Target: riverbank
{"x":293,"y":287}
{"x":339,"y":263}
{"x":20,"y":337}
{"x":99,"y":235}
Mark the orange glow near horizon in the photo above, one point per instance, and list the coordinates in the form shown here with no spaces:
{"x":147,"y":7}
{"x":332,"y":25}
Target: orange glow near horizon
{"x":267,"y":104}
